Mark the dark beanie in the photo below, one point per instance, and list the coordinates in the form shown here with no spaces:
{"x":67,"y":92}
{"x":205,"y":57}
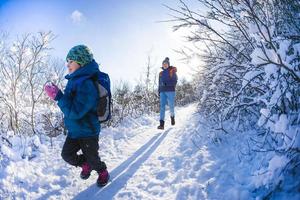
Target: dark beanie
{"x":166,"y":60}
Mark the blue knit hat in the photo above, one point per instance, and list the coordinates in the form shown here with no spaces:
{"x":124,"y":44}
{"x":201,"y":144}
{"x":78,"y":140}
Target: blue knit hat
{"x":80,"y":54}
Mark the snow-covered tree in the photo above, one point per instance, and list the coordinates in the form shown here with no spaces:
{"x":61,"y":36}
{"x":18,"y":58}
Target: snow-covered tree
{"x":251,"y":73}
{"x":24,"y":69}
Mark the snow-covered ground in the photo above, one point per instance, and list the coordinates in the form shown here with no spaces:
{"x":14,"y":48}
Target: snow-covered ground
{"x":182,"y":162}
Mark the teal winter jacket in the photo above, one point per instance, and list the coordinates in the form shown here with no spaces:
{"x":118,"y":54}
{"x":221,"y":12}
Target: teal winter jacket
{"x":79,"y":102}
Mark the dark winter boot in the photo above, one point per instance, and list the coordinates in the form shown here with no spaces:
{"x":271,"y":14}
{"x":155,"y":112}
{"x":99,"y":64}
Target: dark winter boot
{"x":103,"y":178}
{"x":162,"y":125}
{"x":172,"y":120}
{"x":86,"y":171}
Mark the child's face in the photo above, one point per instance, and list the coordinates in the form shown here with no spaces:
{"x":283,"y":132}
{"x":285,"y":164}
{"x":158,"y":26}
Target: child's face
{"x":72,"y":66}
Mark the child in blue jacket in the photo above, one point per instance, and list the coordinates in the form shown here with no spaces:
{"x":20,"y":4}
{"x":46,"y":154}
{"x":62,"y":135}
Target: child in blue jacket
{"x":79,"y":106}
{"x":166,"y":88}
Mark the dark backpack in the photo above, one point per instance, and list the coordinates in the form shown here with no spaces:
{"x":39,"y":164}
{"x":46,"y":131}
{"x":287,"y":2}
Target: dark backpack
{"x":102,"y":83}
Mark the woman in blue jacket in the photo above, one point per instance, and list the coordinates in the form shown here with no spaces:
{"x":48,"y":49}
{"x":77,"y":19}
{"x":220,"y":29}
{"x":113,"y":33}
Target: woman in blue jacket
{"x":79,"y":106}
{"x":166,"y":88}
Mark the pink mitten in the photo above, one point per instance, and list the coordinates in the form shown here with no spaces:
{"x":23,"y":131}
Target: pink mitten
{"x":51,"y":90}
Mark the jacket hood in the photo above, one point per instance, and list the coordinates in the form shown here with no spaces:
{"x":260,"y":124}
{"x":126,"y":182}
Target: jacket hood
{"x":86,"y":70}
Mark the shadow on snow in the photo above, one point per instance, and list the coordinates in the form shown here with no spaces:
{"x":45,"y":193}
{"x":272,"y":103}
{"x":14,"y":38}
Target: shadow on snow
{"x":121,"y":174}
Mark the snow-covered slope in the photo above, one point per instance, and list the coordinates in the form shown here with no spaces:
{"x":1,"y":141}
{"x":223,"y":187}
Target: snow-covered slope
{"x":144,"y":163}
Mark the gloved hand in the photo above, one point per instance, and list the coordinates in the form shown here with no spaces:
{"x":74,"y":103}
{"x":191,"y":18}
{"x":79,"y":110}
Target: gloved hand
{"x":51,"y":90}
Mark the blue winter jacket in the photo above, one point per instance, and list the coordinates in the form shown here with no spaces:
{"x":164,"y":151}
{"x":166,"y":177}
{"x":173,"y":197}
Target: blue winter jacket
{"x":79,"y":102}
{"x":167,"y":79}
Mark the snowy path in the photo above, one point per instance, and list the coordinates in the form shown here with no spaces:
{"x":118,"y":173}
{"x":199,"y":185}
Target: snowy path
{"x":144,"y":163}
{"x":150,"y":171}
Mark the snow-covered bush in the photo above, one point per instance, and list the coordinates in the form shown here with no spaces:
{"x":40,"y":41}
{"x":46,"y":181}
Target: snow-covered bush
{"x":185,"y":92}
{"x":24,"y":68}
{"x":251,"y":76}
{"x":134,"y":102}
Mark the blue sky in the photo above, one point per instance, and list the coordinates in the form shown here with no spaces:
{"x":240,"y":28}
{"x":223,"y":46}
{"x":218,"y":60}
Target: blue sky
{"x":119,"y":32}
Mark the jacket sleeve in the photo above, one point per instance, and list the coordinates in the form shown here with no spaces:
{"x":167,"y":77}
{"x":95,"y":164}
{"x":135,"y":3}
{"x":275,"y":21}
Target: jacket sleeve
{"x":79,"y":105}
{"x":173,"y":78}
{"x":159,"y":82}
